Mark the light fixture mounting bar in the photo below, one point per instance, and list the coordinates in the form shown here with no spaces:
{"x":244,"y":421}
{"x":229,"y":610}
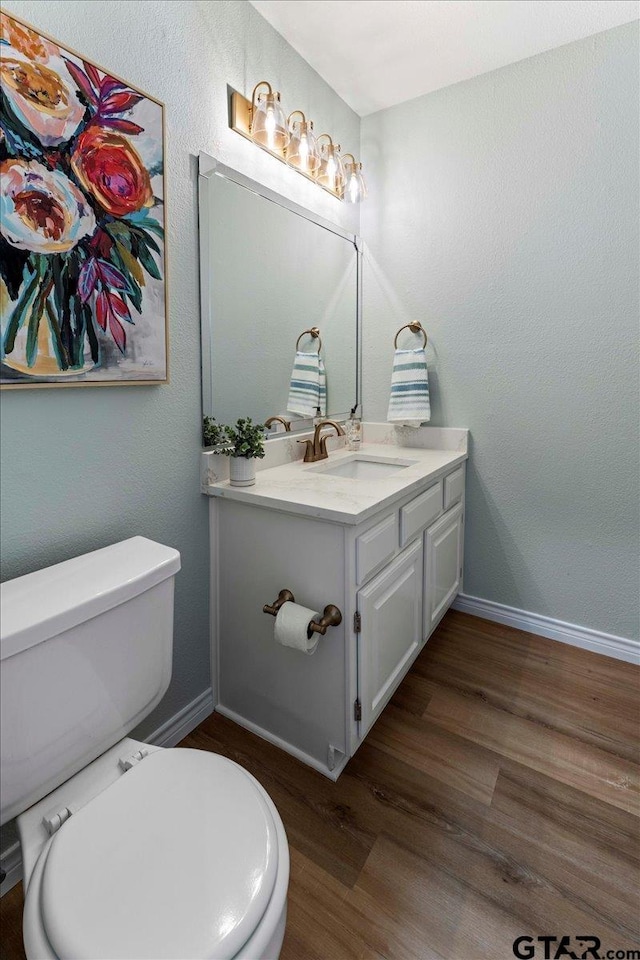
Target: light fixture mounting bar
{"x":240,"y":121}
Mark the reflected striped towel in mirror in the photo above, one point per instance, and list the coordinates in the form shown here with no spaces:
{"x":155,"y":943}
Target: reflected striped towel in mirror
{"x":308,"y":388}
{"x":409,"y":401}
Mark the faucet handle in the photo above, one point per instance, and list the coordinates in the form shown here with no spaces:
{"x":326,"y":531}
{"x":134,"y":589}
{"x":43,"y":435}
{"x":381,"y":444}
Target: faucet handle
{"x":308,"y":453}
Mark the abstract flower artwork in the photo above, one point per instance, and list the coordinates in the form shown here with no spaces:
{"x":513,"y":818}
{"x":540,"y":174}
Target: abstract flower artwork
{"x":82,"y":266}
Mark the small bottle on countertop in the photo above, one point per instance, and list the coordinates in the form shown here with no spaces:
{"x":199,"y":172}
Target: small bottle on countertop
{"x":353,"y":430}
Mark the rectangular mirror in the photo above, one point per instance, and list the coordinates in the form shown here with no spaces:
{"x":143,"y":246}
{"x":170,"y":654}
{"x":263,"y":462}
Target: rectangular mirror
{"x":269,"y":271}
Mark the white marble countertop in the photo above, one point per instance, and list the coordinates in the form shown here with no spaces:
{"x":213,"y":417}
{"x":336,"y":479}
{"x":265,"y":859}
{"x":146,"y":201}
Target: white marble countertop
{"x":302,"y":488}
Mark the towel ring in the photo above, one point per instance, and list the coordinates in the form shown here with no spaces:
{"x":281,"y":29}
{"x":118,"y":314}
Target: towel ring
{"x":416,"y":327}
{"x":313,"y":332}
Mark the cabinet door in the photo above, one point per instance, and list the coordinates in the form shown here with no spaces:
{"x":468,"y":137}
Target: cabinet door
{"x":442,"y":566}
{"x":391,"y":630}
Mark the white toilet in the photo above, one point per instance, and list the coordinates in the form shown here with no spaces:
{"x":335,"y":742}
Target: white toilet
{"x":129,"y":851}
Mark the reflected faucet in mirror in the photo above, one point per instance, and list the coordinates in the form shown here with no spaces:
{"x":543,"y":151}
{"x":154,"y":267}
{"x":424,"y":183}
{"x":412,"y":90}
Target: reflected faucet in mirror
{"x":286,"y":423}
{"x":316,"y":449}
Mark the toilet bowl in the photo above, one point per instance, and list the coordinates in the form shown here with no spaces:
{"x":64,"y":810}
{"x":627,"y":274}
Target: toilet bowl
{"x":184,"y":855}
{"x":129,"y":850}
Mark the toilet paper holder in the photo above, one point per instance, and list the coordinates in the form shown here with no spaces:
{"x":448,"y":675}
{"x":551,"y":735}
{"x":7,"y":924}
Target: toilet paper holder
{"x":331,"y":615}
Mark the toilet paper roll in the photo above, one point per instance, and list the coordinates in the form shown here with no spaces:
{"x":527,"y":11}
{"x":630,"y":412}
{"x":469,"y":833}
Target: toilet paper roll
{"x":292,"y":623}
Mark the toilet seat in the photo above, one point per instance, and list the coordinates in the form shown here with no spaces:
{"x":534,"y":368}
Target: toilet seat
{"x":183,"y":856}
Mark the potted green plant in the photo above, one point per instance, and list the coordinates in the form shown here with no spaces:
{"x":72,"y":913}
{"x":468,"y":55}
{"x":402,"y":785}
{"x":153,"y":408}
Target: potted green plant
{"x":244,"y":443}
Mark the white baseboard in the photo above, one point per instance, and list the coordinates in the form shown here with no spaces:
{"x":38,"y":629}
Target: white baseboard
{"x":605,"y":643}
{"x":169,"y":733}
{"x":176,"y":728}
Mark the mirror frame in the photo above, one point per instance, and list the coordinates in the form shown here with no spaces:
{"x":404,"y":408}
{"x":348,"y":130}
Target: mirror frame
{"x":208,"y":167}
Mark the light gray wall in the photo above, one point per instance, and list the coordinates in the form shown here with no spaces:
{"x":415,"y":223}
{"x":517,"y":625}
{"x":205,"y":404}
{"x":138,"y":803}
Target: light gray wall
{"x":87,"y":467}
{"x":503,"y":212}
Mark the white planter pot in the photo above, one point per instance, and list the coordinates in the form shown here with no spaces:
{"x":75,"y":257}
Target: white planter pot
{"x":242,"y":471}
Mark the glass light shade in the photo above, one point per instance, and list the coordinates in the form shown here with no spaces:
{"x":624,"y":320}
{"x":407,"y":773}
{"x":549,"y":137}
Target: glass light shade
{"x":269,"y":123}
{"x":331,"y":172}
{"x":302,"y":152}
{"x":355,"y":189}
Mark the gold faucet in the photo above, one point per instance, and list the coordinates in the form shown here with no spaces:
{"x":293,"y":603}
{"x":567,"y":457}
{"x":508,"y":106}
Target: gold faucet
{"x":317,"y":448}
{"x":285,"y":423}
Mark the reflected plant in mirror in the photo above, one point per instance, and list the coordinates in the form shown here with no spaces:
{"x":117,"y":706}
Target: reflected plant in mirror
{"x":270,"y":272}
{"x":213,"y":434}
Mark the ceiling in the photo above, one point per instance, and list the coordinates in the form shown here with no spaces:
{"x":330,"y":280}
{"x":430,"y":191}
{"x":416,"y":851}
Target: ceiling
{"x":376,"y":53}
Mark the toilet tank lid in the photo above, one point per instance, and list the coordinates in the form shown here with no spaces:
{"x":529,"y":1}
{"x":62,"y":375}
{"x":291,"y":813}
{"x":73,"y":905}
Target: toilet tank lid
{"x":47,"y":602}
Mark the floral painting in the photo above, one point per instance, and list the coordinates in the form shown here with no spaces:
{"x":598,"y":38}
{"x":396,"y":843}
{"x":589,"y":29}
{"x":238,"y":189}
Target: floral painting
{"x":82,"y":267}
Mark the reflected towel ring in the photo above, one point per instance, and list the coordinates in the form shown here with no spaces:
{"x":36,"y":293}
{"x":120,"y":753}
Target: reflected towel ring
{"x":313,"y":332}
{"x":416,"y":327}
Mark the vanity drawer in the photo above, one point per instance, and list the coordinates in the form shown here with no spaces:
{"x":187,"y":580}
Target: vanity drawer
{"x":453,"y":487}
{"x":418,"y":514}
{"x":376,"y":546}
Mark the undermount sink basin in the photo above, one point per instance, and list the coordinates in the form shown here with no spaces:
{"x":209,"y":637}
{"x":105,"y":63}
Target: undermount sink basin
{"x":363,"y":467}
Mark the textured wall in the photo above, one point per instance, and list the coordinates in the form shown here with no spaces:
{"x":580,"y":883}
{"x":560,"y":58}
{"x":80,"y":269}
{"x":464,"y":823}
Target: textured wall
{"x":503,"y":212}
{"x":84,"y":468}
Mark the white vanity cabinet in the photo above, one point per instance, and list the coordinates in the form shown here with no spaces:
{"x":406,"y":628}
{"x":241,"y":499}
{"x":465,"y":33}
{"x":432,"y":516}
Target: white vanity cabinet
{"x":389,"y":624}
{"x":400,"y":607}
{"x":442,"y":566}
{"x":393,"y":576}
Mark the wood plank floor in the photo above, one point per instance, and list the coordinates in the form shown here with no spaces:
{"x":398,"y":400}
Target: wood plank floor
{"x":496,"y":797}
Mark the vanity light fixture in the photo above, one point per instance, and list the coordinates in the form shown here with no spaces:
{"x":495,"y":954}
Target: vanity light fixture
{"x":355,"y":189}
{"x":330,"y":172}
{"x":302,"y":152}
{"x":269,"y":127}
{"x":263,"y":121}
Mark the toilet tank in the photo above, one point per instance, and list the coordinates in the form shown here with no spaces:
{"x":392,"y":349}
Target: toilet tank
{"x":85,"y":655}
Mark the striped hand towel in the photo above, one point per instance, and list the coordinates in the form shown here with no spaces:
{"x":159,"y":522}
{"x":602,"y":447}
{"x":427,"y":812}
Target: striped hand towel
{"x":409,"y":401}
{"x":308,"y":388}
